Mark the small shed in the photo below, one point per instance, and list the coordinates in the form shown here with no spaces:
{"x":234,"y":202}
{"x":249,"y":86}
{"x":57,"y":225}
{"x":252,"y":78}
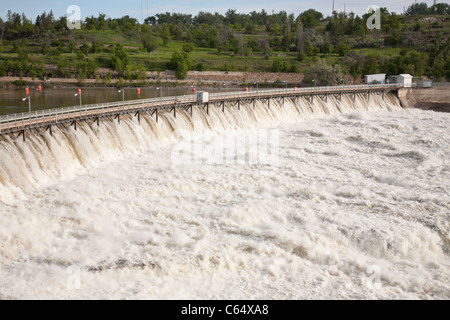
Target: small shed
{"x":405,"y":79}
{"x":202,"y":96}
{"x":375,"y":78}
{"x":427,"y":83}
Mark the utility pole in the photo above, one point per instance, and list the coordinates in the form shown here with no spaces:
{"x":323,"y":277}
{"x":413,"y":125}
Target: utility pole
{"x":333,"y":9}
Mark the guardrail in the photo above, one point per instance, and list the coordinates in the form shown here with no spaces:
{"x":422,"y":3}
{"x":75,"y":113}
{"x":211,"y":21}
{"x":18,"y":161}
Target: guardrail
{"x":240,"y":94}
{"x":23,"y":119}
{"x":440,"y":84}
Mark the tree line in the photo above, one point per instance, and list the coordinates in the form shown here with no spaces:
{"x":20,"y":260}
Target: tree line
{"x":236,"y":34}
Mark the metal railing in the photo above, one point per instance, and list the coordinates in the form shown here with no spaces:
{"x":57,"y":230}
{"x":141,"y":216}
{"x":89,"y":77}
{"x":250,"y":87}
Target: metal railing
{"x":440,"y":84}
{"x":240,"y":94}
{"x":24,"y":119}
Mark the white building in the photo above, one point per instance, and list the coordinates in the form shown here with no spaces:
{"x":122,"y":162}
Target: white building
{"x":375,"y":78}
{"x":427,"y":84}
{"x":202,"y":96}
{"x":405,"y":79}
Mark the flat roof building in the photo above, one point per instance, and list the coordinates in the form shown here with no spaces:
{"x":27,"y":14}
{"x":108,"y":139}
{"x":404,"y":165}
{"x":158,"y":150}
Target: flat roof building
{"x":375,"y":78}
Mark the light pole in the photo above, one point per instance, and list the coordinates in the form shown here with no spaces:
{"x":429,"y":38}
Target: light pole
{"x":160,"y":93}
{"x":27,"y":92}
{"x":123,"y":94}
{"x":79,"y":94}
{"x":29,"y":103}
{"x":257,"y":89}
{"x":314,"y":81}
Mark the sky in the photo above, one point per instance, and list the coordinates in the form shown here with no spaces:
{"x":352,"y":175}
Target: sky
{"x":119,"y":8}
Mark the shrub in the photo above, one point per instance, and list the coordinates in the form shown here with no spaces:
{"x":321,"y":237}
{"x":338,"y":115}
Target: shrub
{"x":188,"y":47}
{"x":391,"y":41}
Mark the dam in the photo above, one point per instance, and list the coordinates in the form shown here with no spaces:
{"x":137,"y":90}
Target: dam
{"x":47,"y":118}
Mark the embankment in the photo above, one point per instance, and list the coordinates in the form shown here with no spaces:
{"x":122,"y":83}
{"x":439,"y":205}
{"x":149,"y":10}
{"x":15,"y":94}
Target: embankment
{"x":436,"y":98}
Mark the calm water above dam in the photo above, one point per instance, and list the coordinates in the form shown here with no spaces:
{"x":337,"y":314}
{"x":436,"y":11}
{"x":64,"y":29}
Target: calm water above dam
{"x":11,"y":99}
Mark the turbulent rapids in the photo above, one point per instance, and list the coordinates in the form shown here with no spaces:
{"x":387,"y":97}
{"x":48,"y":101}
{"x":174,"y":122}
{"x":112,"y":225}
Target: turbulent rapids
{"x":357,"y":206}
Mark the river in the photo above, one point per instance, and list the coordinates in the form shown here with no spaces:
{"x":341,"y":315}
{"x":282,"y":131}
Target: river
{"x":322,"y":200}
{"x":11,"y":99}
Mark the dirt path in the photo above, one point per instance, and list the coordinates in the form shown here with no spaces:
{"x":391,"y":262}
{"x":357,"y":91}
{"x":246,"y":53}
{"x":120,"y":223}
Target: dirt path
{"x":194,"y":77}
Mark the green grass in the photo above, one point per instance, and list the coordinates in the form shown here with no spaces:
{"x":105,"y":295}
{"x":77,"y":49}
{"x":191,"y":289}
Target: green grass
{"x":210,"y":59}
{"x":386,"y":51}
{"x":126,"y":39}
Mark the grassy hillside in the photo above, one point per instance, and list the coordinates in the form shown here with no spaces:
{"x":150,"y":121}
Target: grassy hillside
{"x":415,"y":44}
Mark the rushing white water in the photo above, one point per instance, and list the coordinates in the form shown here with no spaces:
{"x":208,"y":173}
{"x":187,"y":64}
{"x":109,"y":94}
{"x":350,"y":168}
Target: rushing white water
{"x":356,"y":207}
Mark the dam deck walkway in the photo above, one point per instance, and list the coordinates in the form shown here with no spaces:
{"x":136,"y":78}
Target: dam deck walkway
{"x":19,"y":123}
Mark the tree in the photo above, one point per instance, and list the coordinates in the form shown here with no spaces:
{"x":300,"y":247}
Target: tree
{"x":2,"y":28}
{"x":438,"y":49}
{"x":164,"y":33}
{"x":417,"y":8}
{"x":441,"y":8}
{"x":447,"y":69}
{"x":337,"y":27}
{"x":64,"y":67}
{"x":323,"y":74}
{"x":354,"y":63}
{"x":342,"y":48}
{"x":309,"y":48}
{"x":180,"y":62}
{"x":310,"y":18}
{"x":301,"y":56}
{"x":61,"y":24}
{"x":85,"y":49}
{"x":188,"y":47}
{"x":372,"y":63}
{"x":95,"y":48}
{"x":86,"y":68}
{"x":120,"y":58}
{"x":276,"y":66}
{"x":72,"y":46}
{"x":205,"y":35}
{"x":150,"y":43}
